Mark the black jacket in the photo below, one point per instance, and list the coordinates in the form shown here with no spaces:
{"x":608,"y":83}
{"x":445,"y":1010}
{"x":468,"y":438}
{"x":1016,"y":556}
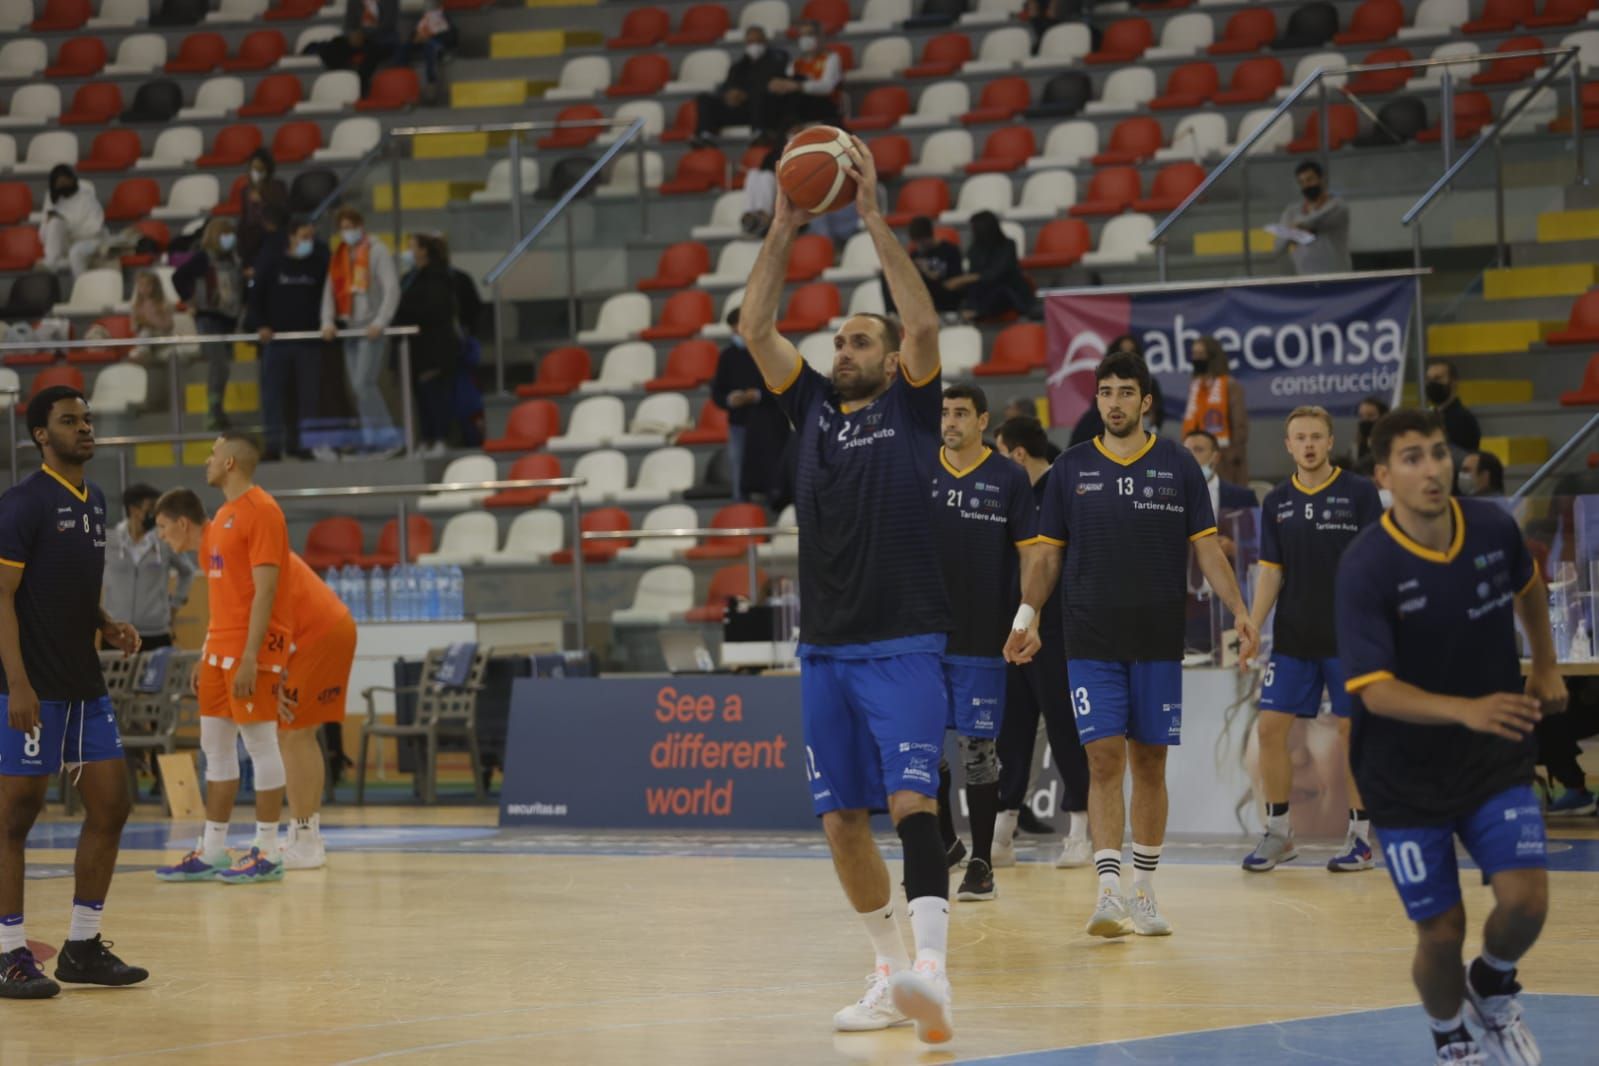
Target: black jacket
{"x":427,"y":301}
{"x":388,"y":16}
{"x":287,"y":294}
{"x":751,"y":75}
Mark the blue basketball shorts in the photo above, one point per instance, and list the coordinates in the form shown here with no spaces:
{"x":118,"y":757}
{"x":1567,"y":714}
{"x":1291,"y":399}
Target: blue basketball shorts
{"x":873,"y":727}
{"x":1294,"y":686}
{"x":1505,"y":833}
{"x":69,"y":732}
{"x":976,"y":688}
{"x":1141,"y":701}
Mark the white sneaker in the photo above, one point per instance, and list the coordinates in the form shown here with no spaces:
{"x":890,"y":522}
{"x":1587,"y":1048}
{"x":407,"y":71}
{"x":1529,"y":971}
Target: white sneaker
{"x":1504,"y":1034}
{"x":1147,"y":919}
{"x":1467,"y":1054}
{"x":304,"y":851}
{"x":1004,"y":850}
{"x":922,"y":994}
{"x":324,"y":454}
{"x":1074,"y":852}
{"x":875,"y":1010}
{"x":1110,"y":917}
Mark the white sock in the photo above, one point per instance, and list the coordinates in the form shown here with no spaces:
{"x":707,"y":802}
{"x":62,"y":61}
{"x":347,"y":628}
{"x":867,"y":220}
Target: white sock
{"x":12,"y":936}
{"x":930,"y":928}
{"x":1361,"y":827}
{"x":1445,"y":1026}
{"x":1145,"y":859}
{"x":1496,"y":964}
{"x":214,"y":840}
{"x":266,"y":838}
{"x":886,"y":941}
{"x":1078,"y":824}
{"x":85,"y":920}
{"x":1278,"y":825}
{"x":1109,"y":864}
{"x":312,"y":825}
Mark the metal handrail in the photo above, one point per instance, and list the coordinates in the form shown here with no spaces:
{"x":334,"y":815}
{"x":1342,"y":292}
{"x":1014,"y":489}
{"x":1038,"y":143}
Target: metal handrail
{"x":1553,"y":462}
{"x":709,"y":533}
{"x":122,"y":444}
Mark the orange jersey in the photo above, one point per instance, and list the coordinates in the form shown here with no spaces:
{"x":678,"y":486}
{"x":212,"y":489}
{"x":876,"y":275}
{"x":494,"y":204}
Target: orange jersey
{"x":313,"y":607}
{"x":245,"y":533}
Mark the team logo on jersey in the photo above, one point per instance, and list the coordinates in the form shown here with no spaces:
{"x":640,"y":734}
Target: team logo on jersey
{"x":229,"y":523}
{"x":1483,"y":590}
{"x":1149,"y":490}
{"x":1085,"y":487}
{"x":64,"y":524}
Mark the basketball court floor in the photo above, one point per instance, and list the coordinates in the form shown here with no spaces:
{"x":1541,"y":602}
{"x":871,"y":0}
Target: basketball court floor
{"x":433,"y":937}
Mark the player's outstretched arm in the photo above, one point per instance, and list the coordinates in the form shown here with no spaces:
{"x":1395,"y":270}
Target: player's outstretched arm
{"x":1544,"y":682}
{"x":1508,"y":715}
{"x":1040,"y":575}
{"x":1213,"y":563}
{"x":918,"y":318}
{"x":777,"y":359}
{"x":22,"y":702}
{"x":266,"y":592}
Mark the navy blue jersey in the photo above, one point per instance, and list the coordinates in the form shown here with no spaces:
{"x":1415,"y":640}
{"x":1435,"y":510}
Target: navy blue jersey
{"x":867,"y":563}
{"x":1444,"y":622}
{"x":1304,"y":533}
{"x":980,"y":515}
{"x":1126,"y":525}
{"x":55,"y":534}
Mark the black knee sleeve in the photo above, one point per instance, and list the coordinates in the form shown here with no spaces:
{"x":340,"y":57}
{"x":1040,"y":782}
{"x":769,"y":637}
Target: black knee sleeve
{"x":926,"y":867}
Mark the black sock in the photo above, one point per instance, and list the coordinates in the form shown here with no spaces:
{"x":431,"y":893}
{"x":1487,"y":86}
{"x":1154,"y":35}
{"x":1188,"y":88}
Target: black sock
{"x":1458,"y":1035}
{"x":982,"y":802}
{"x":946,"y":815}
{"x":1489,"y":981}
{"x":926,"y":872}
{"x":1357,"y":814}
{"x":1276,"y":810}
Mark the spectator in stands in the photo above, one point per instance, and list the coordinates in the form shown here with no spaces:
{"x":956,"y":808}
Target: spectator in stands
{"x":1042,"y":14}
{"x":427,"y":301}
{"x":760,"y":195}
{"x":372,"y":30}
{"x":1091,"y":425}
{"x":1442,"y":391}
{"x":757,"y":429}
{"x":211,"y":281}
{"x":74,"y":222}
{"x":938,"y":260}
{"x":150,"y":313}
{"x":809,"y":92}
{"x":433,"y":37}
{"x":993,"y":284}
{"x":362,"y":292}
{"x":265,"y":204}
{"x":741,"y":99}
{"x":1216,"y":404}
{"x":1366,"y":415}
{"x":287,"y":298}
{"x":469,"y":422}
{"x":1481,"y":474}
{"x":1315,"y":233}
{"x":1224,"y":495}
{"x":139,"y":571}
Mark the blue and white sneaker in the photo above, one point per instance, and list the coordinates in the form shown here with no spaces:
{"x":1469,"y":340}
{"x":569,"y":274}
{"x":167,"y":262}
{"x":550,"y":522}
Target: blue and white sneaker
{"x":252,"y":868}
{"x":1355,"y":856}
{"x":1574,"y":801}
{"x":1271,"y":850}
{"x":194,"y":867}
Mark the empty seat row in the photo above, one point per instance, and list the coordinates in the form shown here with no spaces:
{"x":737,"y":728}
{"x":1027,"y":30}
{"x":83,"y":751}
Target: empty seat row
{"x":146,"y":53}
{"x":602,"y":421}
{"x":119,"y":389}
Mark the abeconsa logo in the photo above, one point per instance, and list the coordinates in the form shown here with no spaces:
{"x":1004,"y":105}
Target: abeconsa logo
{"x":1286,"y":347}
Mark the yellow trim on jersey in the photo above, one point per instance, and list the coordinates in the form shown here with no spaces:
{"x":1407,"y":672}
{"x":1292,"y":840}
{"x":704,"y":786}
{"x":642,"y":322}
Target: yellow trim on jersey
{"x":1149,"y":443}
{"x":778,"y":390}
{"x":943,"y":460}
{"x":81,"y":495}
{"x":1274,"y":566}
{"x":13,"y":564}
{"x":1531,"y":581}
{"x":1203,"y":533}
{"x":1300,"y":485}
{"x":1421,"y":551}
{"x":1041,"y":539}
{"x":1355,"y":684}
{"x":912,"y":382}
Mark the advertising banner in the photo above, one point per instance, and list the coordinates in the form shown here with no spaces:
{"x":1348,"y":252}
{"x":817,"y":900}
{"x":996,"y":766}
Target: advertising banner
{"x":1329,"y":343}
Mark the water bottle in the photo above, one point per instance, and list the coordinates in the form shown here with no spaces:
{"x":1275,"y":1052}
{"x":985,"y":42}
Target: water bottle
{"x":429,"y":581}
{"x":399,"y":610}
{"x":456,"y":584}
{"x":354,"y":592}
{"x":377,"y":594}
{"x":1559,"y":620}
{"x":334,"y":579}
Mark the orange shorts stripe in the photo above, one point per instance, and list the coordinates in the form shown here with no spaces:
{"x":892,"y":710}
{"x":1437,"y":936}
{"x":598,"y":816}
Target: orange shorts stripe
{"x":218,"y":701}
{"x":317,"y":681}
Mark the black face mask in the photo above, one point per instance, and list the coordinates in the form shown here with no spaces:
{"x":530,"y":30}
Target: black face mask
{"x":1363,"y":429}
{"x":63,"y":192}
{"x":1437,"y":392}
{"x":1311,"y":192}
{"x":149,"y":522}
{"x":1201,"y":366}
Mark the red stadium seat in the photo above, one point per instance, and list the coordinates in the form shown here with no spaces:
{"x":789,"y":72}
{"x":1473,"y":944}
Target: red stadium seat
{"x":883,"y":107}
{"x":1343,"y":126}
{"x":830,"y":15}
{"x":1373,"y":22}
{"x":16,"y":202}
{"x":1473,"y":111}
{"x":1583,"y":326}
{"x":200,"y":53}
{"x":846,"y":54}
{"x":1373,"y":82}
{"x":233,"y":206}
{"x":81,"y":57}
{"x":701,"y":24}
{"x":260,"y":50}
{"x":132,"y":199}
{"x":51,"y":376}
{"x":698,"y":171}
{"x":1019,"y":349}
{"x":232,"y":146}
{"x":941,"y":56}
{"x":1510,"y":71}
{"x":683,"y":123}
{"x":1253,"y":80}
{"x":733,"y":516}
{"x":1124,"y":41}
{"x":642,"y":75}
{"x":891,"y":153}
{"x":642,"y":27}
{"x":1132,"y":141}
{"x":919,"y":196}
{"x":810,"y":308}
{"x":528,"y":425}
{"x":689,"y":365}
{"x":1188,"y":87}
{"x":601,"y":520}
{"x":711,"y":428}
{"x":1002,"y":100}
{"x":1590,"y":111}
{"x":117,"y":327}
{"x":678,"y":266}
{"x":560,"y":372}
{"x":808,"y":257}
{"x":419,"y":541}
{"x":1249,"y":30}
{"x":1587,"y":393}
{"x":295,"y":141}
{"x":1500,"y":16}
{"x":276,"y":94}
{"x":62,"y":16}
{"x":537,"y":467}
{"x":292,"y":10}
{"x":336,"y":541}
{"x":94,"y":104}
{"x":1061,"y":243}
{"x":20,"y":248}
{"x":394,"y":89}
{"x":1171,"y":187}
{"x":567,"y":135}
{"x":1559,"y":13}
{"x":728,"y":583}
{"x":1006,"y":149}
{"x":155,"y":230}
{"x":752,"y":158}
{"x":1111,"y":192}
{"x":684,"y":315}
{"x":111,"y":150}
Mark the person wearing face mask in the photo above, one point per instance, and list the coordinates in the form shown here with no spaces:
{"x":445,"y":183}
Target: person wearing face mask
{"x":741,"y":98}
{"x":287,"y":298}
{"x":1224,"y":495}
{"x":1322,"y":218}
{"x":363,"y":292}
{"x":1442,"y":391}
{"x":1481,"y":474}
{"x":1216,"y":404}
{"x":809,"y":90}
{"x":266,"y":194}
{"x":1366,"y":415}
{"x":427,"y":301}
{"x":372,"y":29}
{"x":757,"y":431}
{"x":433,"y":37}
{"x":74,"y":222}
{"x":139,"y":571}
{"x":211,"y":281}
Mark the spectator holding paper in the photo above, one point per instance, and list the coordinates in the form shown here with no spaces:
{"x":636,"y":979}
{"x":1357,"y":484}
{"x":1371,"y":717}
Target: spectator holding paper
{"x":1315,"y":233}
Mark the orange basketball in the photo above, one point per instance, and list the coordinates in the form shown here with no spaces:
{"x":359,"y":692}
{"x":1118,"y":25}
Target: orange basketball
{"x":811,"y":171}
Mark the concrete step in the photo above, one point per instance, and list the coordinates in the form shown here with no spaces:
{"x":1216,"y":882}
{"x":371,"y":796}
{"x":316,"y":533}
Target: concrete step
{"x":1470,"y":338}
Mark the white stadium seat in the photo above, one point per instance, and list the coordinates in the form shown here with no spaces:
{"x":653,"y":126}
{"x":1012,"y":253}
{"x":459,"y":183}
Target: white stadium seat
{"x":1199,"y":136}
{"x":769,"y":15}
{"x":858,"y":261}
{"x":621,"y":316}
{"x":592,"y":424}
{"x":817,"y":350}
{"x":990,"y":13}
{"x":1436,"y":18}
{"x":1067,"y":145}
{"x":216,"y":98}
{"x":959,"y":349}
{"x":724,"y":221}
{"x":867,"y":299}
{"x":468,"y":538}
{"x":981,"y":192}
{"x":332,"y":92}
{"x":141,"y":53}
{"x":309,"y":36}
{"x":623,"y":179}
{"x":8,"y":150}
{"x":662,"y":475}
{"x":945,"y":152}
{"x":534,"y":536}
{"x":1460,"y":73}
{"x":1183,"y":35}
{"x":1275,"y":140}
{"x":237,"y":11}
{"x":879,"y":16}
{"x":701,"y":71}
{"x":666,"y":516}
{"x":1001,"y":50}
{"x":1307,"y":66}
{"x":1587,"y":44}
{"x":465,"y":469}
{"x":720,"y":330}
{"x":1544,"y":109}
{"x":656,"y":420}
{"x":1123,"y":241}
{"x":33,"y":105}
{"x":733,"y":265}
{"x":605,"y":472}
{"x":120,"y":14}
{"x":93,"y":292}
{"x":626,"y":367}
{"x":119,"y":389}
{"x":191,"y":196}
{"x":497,"y":190}
{"x":1127,"y":89}
{"x":23,"y":58}
{"x":1063,"y":45}
{"x":882,"y":60}
{"x":176,"y":147}
{"x":938,"y":105}
{"x":783,"y":545}
{"x":47,"y":150}
{"x":1046,"y":194}
{"x":581,"y":78}
{"x":15,"y":14}
{"x":663,"y":593}
{"x":351,"y":139}
{"x":650,"y":111}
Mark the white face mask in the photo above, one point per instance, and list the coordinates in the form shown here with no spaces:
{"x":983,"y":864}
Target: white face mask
{"x":755,"y":51}
{"x":807,"y":43}
{"x":1463,"y":484}
{"x":350,"y":236}
{"x":226,"y":241}
{"x":257,"y":177}
{"x":1209,"y":470}
{"x":407,"y":260}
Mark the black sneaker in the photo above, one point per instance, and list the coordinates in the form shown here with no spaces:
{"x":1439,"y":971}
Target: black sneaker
{"x":956,"y":852}
{"x":1028,"y":822}
{"x":978,"y":884}
{"x":90,"y":962}
{"x":21,"y":978}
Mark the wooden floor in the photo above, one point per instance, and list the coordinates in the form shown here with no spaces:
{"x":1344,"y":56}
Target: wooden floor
{"x":477,"y":951}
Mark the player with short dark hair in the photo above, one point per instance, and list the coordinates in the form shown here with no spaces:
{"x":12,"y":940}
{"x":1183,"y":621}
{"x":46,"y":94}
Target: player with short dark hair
{"x":1442,"y":745}
{"x":1124,"y":508}
{"x":876,"y":617}
{"x":53,"y":695}
{"x":983,"y":509}
{"x":1306,"y":524}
